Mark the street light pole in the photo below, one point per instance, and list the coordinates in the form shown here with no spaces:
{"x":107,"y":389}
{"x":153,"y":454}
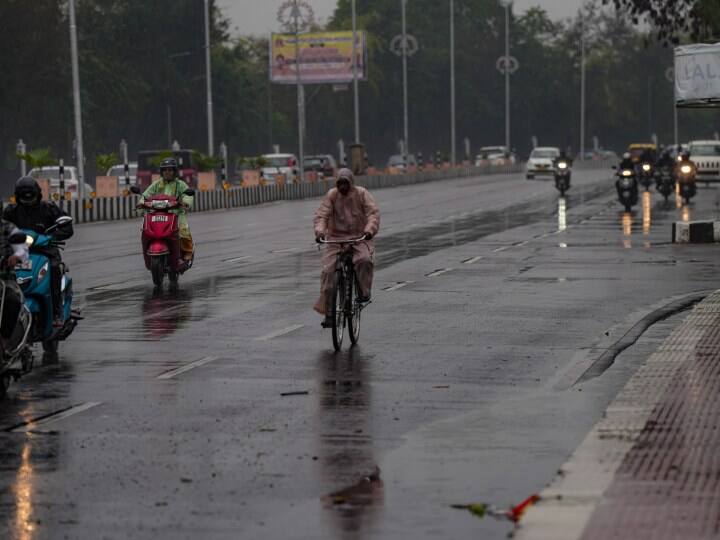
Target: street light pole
{"x":300,"y":92}
{"x":507,"y":78}
{"x":582,"y":87}
{"x":405,"y":90}
{"x":452,"y":82}
{"x":356,"y":99}
{"x":208,"y":78}
{"x":76,"y":100}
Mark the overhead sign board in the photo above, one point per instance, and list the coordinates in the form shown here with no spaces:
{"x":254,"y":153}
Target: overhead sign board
{"x":325,"y":58}
{"x":697,"y":75}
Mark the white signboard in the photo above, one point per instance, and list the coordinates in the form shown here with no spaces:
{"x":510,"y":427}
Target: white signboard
{"x":697,"y":75}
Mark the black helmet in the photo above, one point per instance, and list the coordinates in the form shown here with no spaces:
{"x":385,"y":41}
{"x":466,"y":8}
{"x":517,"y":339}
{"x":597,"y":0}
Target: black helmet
{"x":27,"y":190}
{"x":169,"y":163}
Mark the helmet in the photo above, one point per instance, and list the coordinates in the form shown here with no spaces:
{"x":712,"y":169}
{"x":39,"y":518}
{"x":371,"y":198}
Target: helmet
{"x":27,"y":190}
{"x":169,"y":163}
{"x":626,"y":155}
{"x":345,"y":174}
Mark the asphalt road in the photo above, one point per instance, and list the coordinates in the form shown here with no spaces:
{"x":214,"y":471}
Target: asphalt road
{"x":166,"y":416}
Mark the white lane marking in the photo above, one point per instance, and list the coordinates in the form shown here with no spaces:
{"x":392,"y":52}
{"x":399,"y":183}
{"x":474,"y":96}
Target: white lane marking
{"x":279,"y":333}
{"x":504,"y":248}
{"x":288,"y":250}
{"x":399,"y":285}
{"x":117,"y":286}
{"x":472,"y":260}
{"x":192,"y":365}
{"x":236,"y":259}
{"x":521,"y":244}
{"x":439,"y":272}
{"x":30,"y":426}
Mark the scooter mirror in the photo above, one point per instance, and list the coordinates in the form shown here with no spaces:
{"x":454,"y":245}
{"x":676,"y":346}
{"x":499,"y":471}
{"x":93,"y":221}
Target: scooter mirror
{"x":17,"y":238}
{"x":135,"y":190}
{"x":189,"y":192}
{"x":63,"y":220}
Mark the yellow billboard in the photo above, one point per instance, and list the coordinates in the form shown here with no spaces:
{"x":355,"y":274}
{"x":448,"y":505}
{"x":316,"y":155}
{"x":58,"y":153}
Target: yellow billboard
{"x":325,"y":57}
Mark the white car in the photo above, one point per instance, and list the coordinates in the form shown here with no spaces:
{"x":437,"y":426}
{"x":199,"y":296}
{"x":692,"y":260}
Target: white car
{"x":706,"y":156}
{"x":541,"y":162}
{"x":285,"y":164}
{"x":494,"y":155}
{"x":119,"y":171}
{"x":53,"y":174}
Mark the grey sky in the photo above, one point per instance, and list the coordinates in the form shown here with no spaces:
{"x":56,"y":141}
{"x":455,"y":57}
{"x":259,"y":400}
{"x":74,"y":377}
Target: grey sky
{"x":258,"y":16}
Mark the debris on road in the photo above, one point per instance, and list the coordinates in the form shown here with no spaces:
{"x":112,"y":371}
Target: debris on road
{"x":514,"y":513}
{"x":296,"y":393}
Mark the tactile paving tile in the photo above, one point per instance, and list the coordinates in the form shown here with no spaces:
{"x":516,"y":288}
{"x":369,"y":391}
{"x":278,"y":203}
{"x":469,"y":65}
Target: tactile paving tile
{"x":668,"y":484}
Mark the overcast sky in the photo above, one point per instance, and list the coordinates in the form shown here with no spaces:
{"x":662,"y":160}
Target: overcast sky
{"x":258,"y":16}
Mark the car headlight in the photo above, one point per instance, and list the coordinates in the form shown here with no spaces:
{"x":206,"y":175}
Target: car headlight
{"x":686,"y":169}
{"x":43,"y":272}
{"x":627,"y":172}
{"x":646,"y":167}
{"x":562,"y":165}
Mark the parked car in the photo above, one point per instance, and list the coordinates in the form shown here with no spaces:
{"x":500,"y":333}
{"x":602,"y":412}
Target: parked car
{"x":53,"y":174}
{"x":119,"y":171}
{"x":277,"y":164}
{"x":323,"y":164}
{"x":148,"y":164}
{"x":399,"y":162}
{"x":540,"y":162}
{"x":494,"y":155}
{"x":706,"y":156}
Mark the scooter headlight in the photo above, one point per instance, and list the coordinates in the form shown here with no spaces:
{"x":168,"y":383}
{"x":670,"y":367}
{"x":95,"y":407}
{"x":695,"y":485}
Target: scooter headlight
{"x":627,"y":172}
{"x":29,"y":241}
{"x":646,"y":167}
{"x":686,"y":169}
{"x":43,"y":272}
{"x":562,"y":165}
{"x":160,"y":205}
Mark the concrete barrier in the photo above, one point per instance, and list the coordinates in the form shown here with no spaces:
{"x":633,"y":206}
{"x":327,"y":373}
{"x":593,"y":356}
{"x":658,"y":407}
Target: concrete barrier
{"x":696,"y":232}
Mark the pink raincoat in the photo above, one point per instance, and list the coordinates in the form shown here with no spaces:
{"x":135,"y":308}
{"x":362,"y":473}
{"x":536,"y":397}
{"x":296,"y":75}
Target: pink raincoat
{"x":342,"y":217}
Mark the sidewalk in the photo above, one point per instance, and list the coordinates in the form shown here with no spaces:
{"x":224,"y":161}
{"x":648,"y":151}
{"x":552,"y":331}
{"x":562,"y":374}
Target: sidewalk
{"x":651,"y":468}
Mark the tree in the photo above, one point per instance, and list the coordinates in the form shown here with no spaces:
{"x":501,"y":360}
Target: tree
{"x":42,"y":157}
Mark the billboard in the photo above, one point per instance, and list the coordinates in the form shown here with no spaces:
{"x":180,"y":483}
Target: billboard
{"x":697,"y":75}
{"x":325,"y":57}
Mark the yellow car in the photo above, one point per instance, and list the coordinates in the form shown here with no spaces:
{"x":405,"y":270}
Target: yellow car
{"x":637,"y":150}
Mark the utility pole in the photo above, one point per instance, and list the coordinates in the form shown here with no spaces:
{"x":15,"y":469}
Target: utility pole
{"x":582,"y":87}
{"x":356,"y":98}
{"x":453,"y":156}
{"x":405,"y":89}
{"x":208,"y":78}
{"x":507,"y":78}
{"x":300,"y":93}
{"x":76,"y":100}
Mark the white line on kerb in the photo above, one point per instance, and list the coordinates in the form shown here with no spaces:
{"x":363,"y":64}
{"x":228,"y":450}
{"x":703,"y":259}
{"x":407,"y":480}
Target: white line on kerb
{"x":32,"y":425}
{"x":399,"y":285}
{"x":279,"y":333}
{"x":439,"y":272}
{"x":192,"y":365}
{"x":472,"y":260}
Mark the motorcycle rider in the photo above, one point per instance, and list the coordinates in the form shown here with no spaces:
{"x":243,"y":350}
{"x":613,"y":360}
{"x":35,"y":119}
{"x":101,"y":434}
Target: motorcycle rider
{"x":347,"y":211}
{"x":627,"y":162}
{"x":666,"y":160}
{"x":31,"y":212}
{"x":563,"y":157}
{"x":10,"y":256}
{"x":170,"y":184}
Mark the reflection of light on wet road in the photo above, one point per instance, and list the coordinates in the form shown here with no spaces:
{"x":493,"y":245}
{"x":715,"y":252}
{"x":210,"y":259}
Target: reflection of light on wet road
{"x":24,"y":525}
{"x":627,"y":229}
{"x":647,"y":212}
{"x":562,"y":214}
{"x":678,"y":198}
{"x":686,"y":214}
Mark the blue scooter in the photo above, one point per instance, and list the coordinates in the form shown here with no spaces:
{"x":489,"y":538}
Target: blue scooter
{"x":34,"y":280}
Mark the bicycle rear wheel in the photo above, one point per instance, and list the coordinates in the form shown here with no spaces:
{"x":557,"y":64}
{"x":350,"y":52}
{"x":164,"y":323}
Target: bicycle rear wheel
{"x":337,"y":305}
{"x":355,"y":311}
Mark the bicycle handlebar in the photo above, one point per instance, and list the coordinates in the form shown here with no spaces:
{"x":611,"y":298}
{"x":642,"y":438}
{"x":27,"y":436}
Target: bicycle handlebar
{"x":353,"y":241}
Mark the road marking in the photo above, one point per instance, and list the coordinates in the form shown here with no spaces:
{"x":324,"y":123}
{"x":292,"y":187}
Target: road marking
{"x":439,"y":272}
{"x":117,"y":286}
{"x":288,"y":250}
{"x":279,"y":333}
{"x":236,"y":259}
{"x":192,"y":365}
{"x":472,"y":260}
{"x":504,"y":248}
{"x":399,"y":285}
{"x":54,"y":417}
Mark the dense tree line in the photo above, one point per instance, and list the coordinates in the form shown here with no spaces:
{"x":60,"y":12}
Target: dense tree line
{"x":143,"y":79}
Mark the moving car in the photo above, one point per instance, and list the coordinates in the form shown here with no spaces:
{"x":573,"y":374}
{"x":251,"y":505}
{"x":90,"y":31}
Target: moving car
{"x":397,"y":161}
{"x":279,"y":164}
{"x":323,"y":164}
{"x":540,"y":162}
{"x":706,"y":156}
{"x":119,"y":171}
{"x":53,"y":174}
{"x":637,"y":150}
{"x":494,"y":155}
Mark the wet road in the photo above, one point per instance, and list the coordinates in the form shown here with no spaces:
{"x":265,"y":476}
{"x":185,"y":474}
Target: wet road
{"x":166,"y":416}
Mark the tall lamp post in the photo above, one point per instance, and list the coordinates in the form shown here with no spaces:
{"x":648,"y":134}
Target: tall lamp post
{"x":356,"y":99}
{"x":76,"y":100}
{"x":507,"y":65}
{"x":452,"y":82}
{"x":208,"y":79}
{"x":582,"y":87}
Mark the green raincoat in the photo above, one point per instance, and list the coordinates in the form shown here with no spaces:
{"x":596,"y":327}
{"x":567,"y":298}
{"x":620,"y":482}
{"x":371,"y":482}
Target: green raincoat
{"x":174,"y":188}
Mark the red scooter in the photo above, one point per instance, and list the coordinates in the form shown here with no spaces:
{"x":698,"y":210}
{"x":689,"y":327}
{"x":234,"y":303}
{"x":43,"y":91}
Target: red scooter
{"x":160,"y":237}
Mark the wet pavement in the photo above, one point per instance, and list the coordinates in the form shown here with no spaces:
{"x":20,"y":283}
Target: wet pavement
{"x":218,"y":410}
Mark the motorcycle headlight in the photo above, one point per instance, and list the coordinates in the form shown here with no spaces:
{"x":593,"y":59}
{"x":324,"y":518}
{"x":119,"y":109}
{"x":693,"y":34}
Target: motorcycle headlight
{"x":646,"y":167}
{"x":686,"y":169}
{"x":29,"y":241}
{"x":160,"y":205}
{"x":43,"y":272}
{"x":562,"y":165}
{"x":627,"y":172}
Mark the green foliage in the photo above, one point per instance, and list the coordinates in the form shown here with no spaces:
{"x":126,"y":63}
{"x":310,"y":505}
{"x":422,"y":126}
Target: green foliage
{"x":39,"y":158}
{"x":156,"y":160}
{"x":205,"y":163}
{"x":104,"y":161}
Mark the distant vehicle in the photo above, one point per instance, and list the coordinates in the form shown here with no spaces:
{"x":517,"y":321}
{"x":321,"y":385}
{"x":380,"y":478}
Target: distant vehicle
{"x":119,"y":171}
{"x":53,"y":174}
{"x":324,"y":164}
{"x":148,"y":164}
{"x":397,"y":161}
{"x":706,"y":157}
{"x":494,"y":155}
{"x":541,"y":161}
{"x":637,"y":150}
{"x":277,"y":164}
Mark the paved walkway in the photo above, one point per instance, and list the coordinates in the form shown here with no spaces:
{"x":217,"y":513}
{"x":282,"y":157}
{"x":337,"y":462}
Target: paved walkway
{"x":651,"y":468}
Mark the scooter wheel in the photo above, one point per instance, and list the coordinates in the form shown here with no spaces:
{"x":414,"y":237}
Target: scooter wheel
{"x":173,"y":277}
{"x":4,"y":385}
{"x":50,"y":352}
{"x":157,"y":270}
{"x":628,"y":207}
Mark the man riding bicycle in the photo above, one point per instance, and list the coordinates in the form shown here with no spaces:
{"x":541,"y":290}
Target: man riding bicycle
{"x":347,"y":212}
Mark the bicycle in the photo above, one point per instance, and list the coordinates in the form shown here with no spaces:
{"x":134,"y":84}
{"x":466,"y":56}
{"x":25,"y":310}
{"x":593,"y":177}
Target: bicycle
{"x":345,"y":308}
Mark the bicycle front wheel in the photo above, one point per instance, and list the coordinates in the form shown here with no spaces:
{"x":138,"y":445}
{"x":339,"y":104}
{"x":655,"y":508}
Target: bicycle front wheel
{"x":355,"y":311}
{"x":337,"y":306}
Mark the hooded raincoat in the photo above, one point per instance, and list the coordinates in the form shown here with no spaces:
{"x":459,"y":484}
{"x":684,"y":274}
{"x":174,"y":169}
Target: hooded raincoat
{"x":343,"y":217}
{"x":175,"y":188}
